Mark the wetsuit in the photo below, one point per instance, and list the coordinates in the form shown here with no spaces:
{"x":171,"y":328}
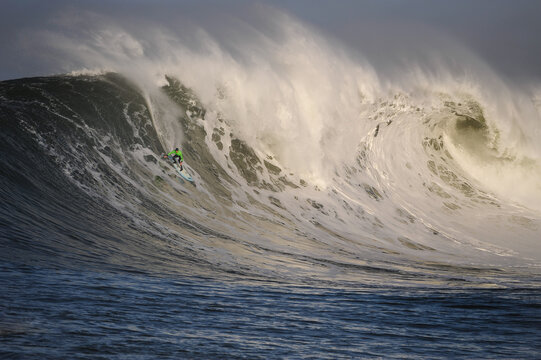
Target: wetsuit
{"x":177,"y":155}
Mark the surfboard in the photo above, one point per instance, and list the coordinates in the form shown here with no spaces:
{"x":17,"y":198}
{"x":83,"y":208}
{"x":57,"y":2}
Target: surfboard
{"x":183,"y":173}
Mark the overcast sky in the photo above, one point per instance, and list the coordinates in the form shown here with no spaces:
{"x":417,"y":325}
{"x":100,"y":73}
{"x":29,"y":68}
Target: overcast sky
{"x":506,"y":34}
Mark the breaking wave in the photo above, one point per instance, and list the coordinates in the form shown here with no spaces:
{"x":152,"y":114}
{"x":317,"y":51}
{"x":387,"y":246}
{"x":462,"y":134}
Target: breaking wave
{"x":309,"y":163}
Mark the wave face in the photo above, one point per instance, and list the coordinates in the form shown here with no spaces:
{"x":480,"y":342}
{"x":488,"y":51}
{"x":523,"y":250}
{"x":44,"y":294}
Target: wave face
{"x":309,"y":165}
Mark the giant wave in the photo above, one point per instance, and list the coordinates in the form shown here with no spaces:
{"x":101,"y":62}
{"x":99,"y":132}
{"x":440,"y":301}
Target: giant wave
{"x":309,"y":164}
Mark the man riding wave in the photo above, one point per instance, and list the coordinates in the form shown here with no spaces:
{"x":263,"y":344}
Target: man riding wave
{"x":176,"y":156}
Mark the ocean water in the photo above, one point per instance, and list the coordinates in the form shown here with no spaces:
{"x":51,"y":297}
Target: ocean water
{"x":336,"y":212}
{"x":51,"y":313}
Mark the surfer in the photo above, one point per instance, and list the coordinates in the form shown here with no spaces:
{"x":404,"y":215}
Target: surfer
{"x":176,"y":155}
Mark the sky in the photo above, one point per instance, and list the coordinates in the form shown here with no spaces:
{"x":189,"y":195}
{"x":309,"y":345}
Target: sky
{"x":502,"y":33}
{"x":505,"y":33}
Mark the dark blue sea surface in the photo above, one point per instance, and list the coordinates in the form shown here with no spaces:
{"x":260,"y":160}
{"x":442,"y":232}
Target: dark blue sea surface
{"x":60,"y":314}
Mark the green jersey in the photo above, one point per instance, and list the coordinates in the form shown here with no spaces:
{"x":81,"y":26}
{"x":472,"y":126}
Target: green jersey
{"x":177,"y":153}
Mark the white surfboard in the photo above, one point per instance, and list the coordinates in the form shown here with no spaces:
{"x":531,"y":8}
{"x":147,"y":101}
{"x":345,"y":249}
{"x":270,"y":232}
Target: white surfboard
{"x":183,"y":172}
